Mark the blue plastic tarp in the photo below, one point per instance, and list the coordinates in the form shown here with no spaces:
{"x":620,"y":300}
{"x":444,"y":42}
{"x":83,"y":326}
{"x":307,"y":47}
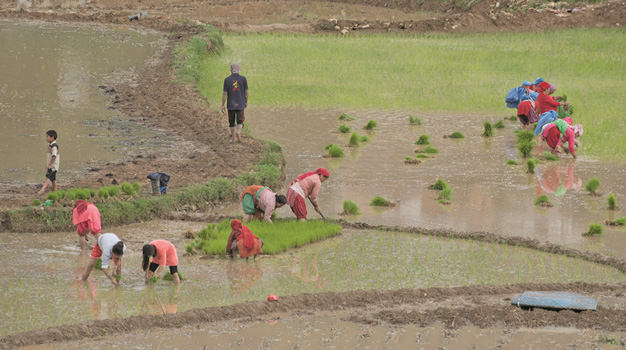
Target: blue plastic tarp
{"x":555,"y":300}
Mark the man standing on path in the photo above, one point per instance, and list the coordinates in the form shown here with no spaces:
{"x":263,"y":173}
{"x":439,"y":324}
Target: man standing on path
{"x":236,"y":92}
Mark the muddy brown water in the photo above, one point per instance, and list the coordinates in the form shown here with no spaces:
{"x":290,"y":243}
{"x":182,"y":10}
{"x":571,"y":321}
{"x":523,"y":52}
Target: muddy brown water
{"x":50,"y":80}
{"x":488,"y":195}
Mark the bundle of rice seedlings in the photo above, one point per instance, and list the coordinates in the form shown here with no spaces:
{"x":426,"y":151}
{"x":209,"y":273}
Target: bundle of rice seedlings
{"x":371,"y":125}
{"x":592,"y":186}
{"x":334,"y":151}
{"x":488,"y":129}
{"x":344,"y":129}
{"x":380,"y":202}
{"x":511,"y":162}
{"x":456,"y":135}
{"x":543,"y":201}
{"x":415,"y":120}
{"x":499,"y":124}
{"x":594,"y":230}
{"x":355,"y":140}
{"x":423,"y":140}
{"x":346,"y":117}
{"x":611,"y":202}
{"x":350,"y":208}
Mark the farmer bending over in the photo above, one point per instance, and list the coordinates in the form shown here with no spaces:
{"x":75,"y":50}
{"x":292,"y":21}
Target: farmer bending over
{"x":243,"y":240}
{"x":86,"y":218}
{"x":108,"y":246}
{"x":306,"y":185}
{"x":260,"y":200}
{"x":163,"y":253}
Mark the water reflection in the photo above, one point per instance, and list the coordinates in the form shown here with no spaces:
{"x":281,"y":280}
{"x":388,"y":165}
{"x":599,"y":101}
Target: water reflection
{"x":242,"y":275}
{"x":557,"y":178}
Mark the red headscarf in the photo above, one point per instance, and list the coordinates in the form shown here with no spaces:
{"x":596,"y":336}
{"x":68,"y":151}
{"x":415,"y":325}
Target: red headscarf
{"x":543,"y":86}
{"x":80,"y":206}
{"x":248,"y":237}
{"x":319,"y":171}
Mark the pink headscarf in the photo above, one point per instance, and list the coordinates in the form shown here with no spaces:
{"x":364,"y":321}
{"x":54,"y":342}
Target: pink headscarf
{"x":552,"y":89}
{"x":578,"y":130}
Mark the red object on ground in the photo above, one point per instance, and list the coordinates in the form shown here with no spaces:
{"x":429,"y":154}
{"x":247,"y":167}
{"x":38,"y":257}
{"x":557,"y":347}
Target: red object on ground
{"x":272,"y":297}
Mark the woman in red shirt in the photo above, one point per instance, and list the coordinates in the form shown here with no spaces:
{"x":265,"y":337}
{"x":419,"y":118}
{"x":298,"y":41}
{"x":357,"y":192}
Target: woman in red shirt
{"x":545,"y":102}
{"x":163,"y":253}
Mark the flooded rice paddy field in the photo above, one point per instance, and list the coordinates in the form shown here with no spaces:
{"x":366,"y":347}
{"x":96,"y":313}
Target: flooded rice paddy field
{"x":42,"y":271}
{"x":51,"y":79}
{"x":488,"y":195}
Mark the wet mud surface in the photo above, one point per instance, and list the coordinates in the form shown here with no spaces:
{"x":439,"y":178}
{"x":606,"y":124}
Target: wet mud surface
{"x":429,"y":317}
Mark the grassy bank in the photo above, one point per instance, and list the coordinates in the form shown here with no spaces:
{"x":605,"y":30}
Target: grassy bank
{"x":121,"y":210}
{"x":277,"y":237}
{"x":432,"y":72}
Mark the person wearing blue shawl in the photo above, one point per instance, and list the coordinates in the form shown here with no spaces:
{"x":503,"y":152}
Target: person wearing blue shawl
{"x":545,"y":119}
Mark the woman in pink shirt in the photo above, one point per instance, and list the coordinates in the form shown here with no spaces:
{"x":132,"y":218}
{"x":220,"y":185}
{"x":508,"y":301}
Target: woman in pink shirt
{"x":86,"y":218}
{"x":163,"y":253}
{"x":306,"y":185}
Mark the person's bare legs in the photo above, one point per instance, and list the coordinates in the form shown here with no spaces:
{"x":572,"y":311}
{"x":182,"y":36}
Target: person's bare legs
{"x":83,"y":244}
{"x":43,"y":189}
{"x":239,"y":128}
{"x":54,"y":185}
{"x":232,"y":134}
{"x":176,"y":279}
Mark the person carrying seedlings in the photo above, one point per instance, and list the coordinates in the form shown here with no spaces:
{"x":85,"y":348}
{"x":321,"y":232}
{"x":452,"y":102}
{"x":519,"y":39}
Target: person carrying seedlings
{"x":53,"y":158}
{"x":562,"y":131}
{"x":305,"y":185}
{"x":108,"y":247}
{"x":86,"y":218}
{"x":236,"y":93}
{"x":545,"y":102}
{"x":243,"y":240}
{"x":260,"y":200}
{"x":163,"y":253}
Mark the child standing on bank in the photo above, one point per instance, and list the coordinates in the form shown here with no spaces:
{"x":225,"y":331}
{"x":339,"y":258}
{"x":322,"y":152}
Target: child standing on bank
{"x":52,"y":159}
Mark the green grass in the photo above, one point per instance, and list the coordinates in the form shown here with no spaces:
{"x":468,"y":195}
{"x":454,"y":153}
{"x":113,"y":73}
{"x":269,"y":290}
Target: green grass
{"x":454,"y":63}
{"x":98,"y":265}
{"x":499,"y":124}
{"x":278,"y":236}
{"x":488,"y":129}
{"x":530,"y":166}
{"x":440,"y":184}
{"x":456,"y":135}
{"x":423,"y":140}
{"x":611,"y":202}
{"x":611,"y":339}
{"x":346,"y":117}
{"x":542,"y":200}
{"x":380,"y":202}
{"x":430,"y":150}
{"x":511,"y":162}
{"x":592,"y":185}
{"x":365,"y":138}
{"x":594,"y":230}
{"x":513,"y":118}
{"x":549,"y":156}
{"x":36,"y":202}
{"x":371,"y":125}
{"x":335,"y":151}
{"x":344,"y":129}
{"x":421,"y":155}
{"x":415,"y":120}
{"x":350,"y":208}
{"x":621,"y":221}
{"x":355,"y":140}
{"x":525,"y":136}
{"x":167,"y":276}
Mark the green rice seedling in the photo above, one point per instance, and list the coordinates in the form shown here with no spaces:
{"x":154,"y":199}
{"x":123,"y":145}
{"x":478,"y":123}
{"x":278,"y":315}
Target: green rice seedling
{"x":346,"y":117}
{"x":526,"y":148}
{"x":98,"y":264}
{"x":543,"y":200}
{"x":411,"y":160}
{"x":190,"y":249}
{"x":611,"y":339}
{"x":511,"y":162}
{"x":592,"y":186}
{"x":456,"y":135}
{"x":136,"y":186}
{"x":415,"y":120}
{"x":423,"y":140}
{"x":118,"y":277}
{"x":549,"y":156}
{"x":56,"y":196}
{"x":594,"y":230}
{"x":113,"y":191}
{"x":611,"y":202}
{"x":430,"y":150}
{"x":167,"y":276}
{"x":371,"y":125}
{"x":421,"y":155}
{"x":525,"y":136}
{"x":513,"y":118}
{"x":380,"y":202}
{"x":439,"y":185}
{"x":278,"y":236}
{"x":499,"y":124}
{"x":621,"y":221}
{"x":488,"y":129}
{"x":128,"y":189}
{"x":445,"y":196}
{"x":365,"y":138}
{"x":355,"y":140}
{"x":335,"y":151}
{"x":530,"y":166}
{"x":36,"y":202}
{"x":350,"y":208}
{"x":344,"y":129}
{"x":153,"y":280}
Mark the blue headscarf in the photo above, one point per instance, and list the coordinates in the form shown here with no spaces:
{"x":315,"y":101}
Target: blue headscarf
{"x":546,"y":118}
{"x":538,"y":80}
{"x":526,"y":83}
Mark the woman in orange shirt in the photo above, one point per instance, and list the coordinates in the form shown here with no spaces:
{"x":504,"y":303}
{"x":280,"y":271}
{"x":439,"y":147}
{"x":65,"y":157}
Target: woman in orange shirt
{"x":163,"y":253}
